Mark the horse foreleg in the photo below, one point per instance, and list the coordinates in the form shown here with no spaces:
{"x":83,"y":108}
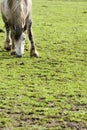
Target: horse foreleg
{"x":13,"y":45}
{"x":33,"y":51}
{"x":7,"y":44}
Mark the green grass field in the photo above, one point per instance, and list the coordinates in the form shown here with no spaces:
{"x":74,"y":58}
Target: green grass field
{"x":49,"y":92}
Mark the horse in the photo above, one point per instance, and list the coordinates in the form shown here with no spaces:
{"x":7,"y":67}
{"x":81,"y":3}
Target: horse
{"x":16,"y":15}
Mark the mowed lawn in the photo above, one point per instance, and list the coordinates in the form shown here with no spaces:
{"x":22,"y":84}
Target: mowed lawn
{"x":49,"y":92}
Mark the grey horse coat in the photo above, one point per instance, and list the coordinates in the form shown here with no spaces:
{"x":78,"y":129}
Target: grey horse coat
{"x":16,"y":15}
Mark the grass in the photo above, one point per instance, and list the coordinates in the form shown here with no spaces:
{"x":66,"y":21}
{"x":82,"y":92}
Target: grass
{"x":50,"y":92}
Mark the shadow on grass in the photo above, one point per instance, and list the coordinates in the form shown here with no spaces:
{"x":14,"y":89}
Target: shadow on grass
{"x":2,"y":31}
{"x":5,"y":55}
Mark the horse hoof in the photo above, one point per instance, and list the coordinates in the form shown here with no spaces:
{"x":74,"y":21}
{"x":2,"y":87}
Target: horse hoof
{"x":8,"y":48}
{"x":34,"y":54}
{"x":13,"y":53}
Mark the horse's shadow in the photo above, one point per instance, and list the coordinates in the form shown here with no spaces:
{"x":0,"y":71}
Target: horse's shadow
{"x":5,"y":55}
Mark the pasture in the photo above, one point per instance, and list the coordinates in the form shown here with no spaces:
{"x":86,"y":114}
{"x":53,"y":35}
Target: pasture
{"x":49,"y":92}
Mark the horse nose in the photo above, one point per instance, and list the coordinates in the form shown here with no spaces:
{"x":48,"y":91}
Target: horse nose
{"x":18,"y":56}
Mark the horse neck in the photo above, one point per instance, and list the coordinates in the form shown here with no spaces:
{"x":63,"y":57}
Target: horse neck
{"x":13,"y":4}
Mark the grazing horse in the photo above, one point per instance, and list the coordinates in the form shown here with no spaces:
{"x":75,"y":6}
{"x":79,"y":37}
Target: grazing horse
{"x":16,"y":15}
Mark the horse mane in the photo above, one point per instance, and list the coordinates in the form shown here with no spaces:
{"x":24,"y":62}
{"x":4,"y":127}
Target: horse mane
{"x":17,"y":32}
{"x":10,"y":2}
